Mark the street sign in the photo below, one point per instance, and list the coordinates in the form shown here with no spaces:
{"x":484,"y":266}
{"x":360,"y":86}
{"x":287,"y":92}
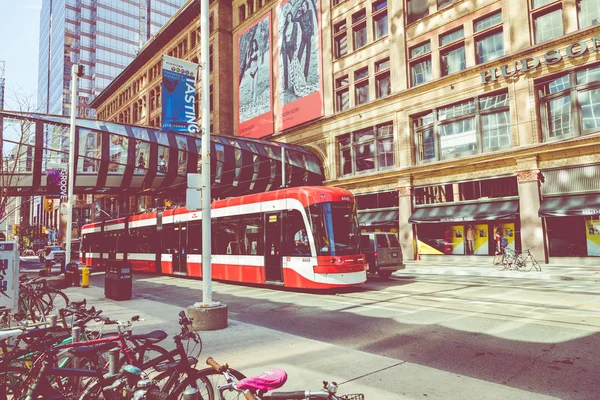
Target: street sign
{"x":9,"y":276}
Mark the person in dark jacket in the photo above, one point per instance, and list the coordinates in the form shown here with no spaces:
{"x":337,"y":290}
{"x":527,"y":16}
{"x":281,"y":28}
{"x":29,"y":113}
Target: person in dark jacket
{"x":288,"y":47}
{"x":305,"y":18}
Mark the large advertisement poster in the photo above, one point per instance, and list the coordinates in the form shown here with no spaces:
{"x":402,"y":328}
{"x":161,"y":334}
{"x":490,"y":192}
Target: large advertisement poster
{"x":254,"y":78}
{"x":299,"y":62}
{"x":56,"y":183}
{"x":179,"y":95}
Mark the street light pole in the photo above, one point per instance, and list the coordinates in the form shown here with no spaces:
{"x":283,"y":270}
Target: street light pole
{"x":76,"y":73}
{"x":206,"y":215}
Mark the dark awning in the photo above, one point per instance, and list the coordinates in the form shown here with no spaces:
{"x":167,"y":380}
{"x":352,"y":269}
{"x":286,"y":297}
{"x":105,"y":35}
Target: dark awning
{"x":466,"y":212}
{"x":378,"y":218}
{"x":571,"y":206}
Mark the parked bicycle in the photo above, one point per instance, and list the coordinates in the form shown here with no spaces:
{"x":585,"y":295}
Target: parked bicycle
{"x":505,"y":259}
{"x":257,"y":387}
{"x":526,"y":261}
{"x":175,"y":377}
{"x":512,"y":260}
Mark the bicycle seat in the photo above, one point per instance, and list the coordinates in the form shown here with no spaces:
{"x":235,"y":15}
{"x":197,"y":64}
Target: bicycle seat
{"x":153,"y":337}
{"x":91,"y":351}
{"x":269,"y":380}
{"x":77,"y":304}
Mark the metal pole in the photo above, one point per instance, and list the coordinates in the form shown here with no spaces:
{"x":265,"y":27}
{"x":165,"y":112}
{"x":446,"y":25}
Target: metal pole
{"x":283,"y":167}
{"x":75,"y":335}
{"x":76,"y":71}
{"x":206,"y":237}
{"x":113,"y":362}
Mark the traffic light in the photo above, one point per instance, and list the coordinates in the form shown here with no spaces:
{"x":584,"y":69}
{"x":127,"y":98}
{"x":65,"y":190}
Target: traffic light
{"x":43,"y":230}
{"x":15,"y":229}
{"x":48,"y":205}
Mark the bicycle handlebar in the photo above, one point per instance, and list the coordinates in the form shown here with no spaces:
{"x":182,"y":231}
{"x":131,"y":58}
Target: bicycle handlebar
{"x":218,"y":367}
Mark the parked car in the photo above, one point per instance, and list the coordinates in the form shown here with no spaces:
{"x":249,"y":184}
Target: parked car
{"x":383,"y":252}
{"x":53,"y":254}
{"x":28,"y":253}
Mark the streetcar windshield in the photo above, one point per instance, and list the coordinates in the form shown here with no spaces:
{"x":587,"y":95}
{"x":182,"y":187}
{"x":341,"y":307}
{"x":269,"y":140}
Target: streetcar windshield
{"x":335,"y":228}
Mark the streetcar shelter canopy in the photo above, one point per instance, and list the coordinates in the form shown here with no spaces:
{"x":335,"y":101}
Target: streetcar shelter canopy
{"x":117,"y":158}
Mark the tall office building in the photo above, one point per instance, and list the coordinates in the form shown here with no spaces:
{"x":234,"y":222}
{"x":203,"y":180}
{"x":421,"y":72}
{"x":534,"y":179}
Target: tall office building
{"x":103,"y":35}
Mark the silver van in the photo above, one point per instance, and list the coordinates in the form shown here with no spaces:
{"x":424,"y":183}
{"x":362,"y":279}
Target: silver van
{"x":383,"y":252}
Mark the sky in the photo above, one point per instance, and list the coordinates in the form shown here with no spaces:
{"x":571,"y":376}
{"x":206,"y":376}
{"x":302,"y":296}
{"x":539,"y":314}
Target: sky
{"x":19,"y":47}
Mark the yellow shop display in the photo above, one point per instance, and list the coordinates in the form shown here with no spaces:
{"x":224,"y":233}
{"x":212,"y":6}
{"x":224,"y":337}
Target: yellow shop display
{"x":482,"y":239}
{"x":458,"y":239}
{"x":592,"y":234}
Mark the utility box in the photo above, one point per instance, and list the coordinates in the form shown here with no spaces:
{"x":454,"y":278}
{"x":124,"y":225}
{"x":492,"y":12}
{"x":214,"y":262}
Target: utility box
{"x":9,"y":276}
{"x":118,"y":283}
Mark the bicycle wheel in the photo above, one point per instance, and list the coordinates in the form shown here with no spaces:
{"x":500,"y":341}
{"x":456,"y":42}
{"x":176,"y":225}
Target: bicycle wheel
{"x":207,"y":382}
{"x":499,"y":262}
{"x":32,"y":309}
{"x":522,"y":264}
{"x":149,"y":353}
{"x":53,"y":300}
{"x":536,"y":265}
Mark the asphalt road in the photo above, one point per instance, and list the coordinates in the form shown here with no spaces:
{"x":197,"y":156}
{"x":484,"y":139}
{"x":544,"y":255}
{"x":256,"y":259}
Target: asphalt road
{"x":537,"y":336}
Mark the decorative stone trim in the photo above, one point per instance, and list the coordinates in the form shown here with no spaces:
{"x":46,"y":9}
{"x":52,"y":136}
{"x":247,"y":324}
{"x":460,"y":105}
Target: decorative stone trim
{"x":529,"y":176}
{"x":405,"y":191}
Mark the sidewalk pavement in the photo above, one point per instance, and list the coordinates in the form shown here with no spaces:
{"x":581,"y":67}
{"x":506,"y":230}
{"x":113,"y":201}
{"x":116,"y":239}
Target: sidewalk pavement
{"x":549,"y":271}
{"x":254,"y":349}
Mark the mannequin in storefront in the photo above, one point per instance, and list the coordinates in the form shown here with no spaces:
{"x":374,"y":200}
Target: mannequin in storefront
{"x":470,"y":239}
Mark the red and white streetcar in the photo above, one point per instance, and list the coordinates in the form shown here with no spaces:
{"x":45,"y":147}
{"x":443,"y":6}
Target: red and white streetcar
{"x":256,"y":239}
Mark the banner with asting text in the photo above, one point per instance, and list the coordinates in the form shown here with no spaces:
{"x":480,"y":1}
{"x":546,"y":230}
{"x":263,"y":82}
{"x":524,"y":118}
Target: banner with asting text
{"x":179,"y":95}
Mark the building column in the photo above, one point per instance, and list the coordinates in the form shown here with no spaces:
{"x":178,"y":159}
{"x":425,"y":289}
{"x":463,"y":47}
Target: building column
{"x":532,"y":225}
{"x":405,"y":233}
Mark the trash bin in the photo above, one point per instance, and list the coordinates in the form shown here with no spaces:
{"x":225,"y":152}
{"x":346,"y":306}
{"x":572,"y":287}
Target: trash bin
{"x":117,"y":280}
{"x":72,"y":275}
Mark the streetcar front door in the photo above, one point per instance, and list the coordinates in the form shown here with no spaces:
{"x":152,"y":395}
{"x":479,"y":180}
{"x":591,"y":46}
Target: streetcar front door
{"x":273,"y":267}
{"x":180,"y":250}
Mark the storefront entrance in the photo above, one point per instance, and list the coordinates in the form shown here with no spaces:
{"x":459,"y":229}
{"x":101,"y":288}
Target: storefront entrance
{"x":467,"y":229}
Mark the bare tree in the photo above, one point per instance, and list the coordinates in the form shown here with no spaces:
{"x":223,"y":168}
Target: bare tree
{"x":17,"y":140}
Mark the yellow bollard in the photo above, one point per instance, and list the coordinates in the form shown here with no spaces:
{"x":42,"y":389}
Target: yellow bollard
{"x":85,"y":277}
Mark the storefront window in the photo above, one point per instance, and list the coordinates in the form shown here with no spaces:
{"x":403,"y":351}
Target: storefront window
{"x":472,"y":238}
{"x":573,"y":236}
{"x":562,"y":116}
{"x":366,"y":149}
{"x":470,"y":127}
{"x":588,"y":12}
{"x":467,"y":191}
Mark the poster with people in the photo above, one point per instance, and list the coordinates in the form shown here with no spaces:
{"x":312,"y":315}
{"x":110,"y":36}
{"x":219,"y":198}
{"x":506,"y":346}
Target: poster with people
{"x":179,"y":95}
{"x":254,"y":79}
{"x":299,"y":62}
{"x":592,"y":234}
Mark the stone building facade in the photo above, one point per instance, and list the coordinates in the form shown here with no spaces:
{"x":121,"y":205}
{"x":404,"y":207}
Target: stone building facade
{"x":455,"y":123}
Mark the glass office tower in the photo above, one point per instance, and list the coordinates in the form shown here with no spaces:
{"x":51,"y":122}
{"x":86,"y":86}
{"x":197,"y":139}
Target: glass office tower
{"x":103,"y":35}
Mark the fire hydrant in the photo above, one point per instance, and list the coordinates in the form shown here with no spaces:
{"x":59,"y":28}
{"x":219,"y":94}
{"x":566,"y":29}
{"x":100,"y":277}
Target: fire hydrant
{"x":85,"y":277}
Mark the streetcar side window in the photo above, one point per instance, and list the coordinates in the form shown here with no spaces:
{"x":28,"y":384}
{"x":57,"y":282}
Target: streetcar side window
{"x":170,"y":239}
{"x":195,"y":237}
{"x":226,"y":236}
{"x":293,"y":227}
{"x":142,"y":239}
{"x":252,"y":228}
